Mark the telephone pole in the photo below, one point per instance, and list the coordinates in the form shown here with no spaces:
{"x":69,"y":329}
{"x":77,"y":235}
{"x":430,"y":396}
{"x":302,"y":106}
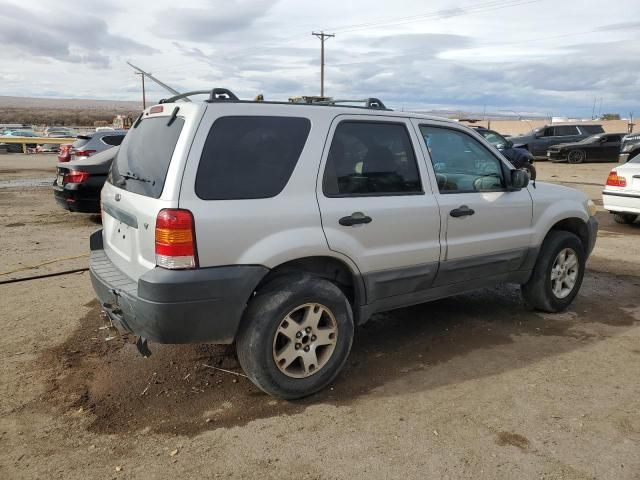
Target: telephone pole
{"x":323,"y":37}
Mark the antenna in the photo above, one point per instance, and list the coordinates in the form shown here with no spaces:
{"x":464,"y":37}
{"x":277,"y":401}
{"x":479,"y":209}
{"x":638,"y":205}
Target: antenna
{"x":154,"y":79}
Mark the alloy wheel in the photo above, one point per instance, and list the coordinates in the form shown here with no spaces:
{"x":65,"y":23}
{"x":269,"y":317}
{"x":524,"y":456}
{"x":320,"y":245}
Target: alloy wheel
{"x":305,"y":340}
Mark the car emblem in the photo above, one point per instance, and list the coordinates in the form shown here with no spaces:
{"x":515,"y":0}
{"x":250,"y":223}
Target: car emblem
{"x":118,"y":197}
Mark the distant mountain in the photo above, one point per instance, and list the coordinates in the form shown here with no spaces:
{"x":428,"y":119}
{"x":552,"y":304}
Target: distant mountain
{"x":63,"y":111}
{"x":68,"y":103}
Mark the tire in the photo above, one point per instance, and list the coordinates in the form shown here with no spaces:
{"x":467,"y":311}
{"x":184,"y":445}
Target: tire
{"x":576,"y":156}
{"x":538,"y":292}
{"x":625,"y":218}
{"x":281,"y":308}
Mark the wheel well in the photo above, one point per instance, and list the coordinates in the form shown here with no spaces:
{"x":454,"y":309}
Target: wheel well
{"x":329,"y":268}
{"x":575,"y":226}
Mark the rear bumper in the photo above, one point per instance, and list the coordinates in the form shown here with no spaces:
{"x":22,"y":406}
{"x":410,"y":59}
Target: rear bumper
{"x":75,"y":199}
{"x":621,"y":202}
{"x":174,"y":306}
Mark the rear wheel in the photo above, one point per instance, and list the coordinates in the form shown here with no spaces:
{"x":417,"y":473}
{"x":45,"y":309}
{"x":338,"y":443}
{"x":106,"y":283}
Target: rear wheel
{"x":295,"y":336}
{"x":577,"y":156}
{"x":558,"y":273}
{"x":625,"y":218}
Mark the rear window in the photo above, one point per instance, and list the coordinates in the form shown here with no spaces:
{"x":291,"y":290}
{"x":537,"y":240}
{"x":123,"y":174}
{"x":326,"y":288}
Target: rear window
{"x":250,"y":157}
{"x":113,"y":139}
{"x":592,"y":129}
{"x":80,"y":142}
{"x":144,"y":156}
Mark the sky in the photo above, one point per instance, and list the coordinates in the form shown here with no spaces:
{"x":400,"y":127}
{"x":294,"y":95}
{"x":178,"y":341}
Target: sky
{"x":517,"y":57}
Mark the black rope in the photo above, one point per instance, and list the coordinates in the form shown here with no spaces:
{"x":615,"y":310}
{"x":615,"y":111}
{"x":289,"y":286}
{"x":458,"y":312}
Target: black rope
{"x":44,"y":275}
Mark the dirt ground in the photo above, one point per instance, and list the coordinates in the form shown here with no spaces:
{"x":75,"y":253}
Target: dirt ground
{"x":475,"y":386}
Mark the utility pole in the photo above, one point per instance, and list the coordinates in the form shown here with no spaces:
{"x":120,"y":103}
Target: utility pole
{"x":323,"y":37}
{"x":144,"y":97}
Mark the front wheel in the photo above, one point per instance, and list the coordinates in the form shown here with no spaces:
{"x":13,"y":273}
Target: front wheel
{"x":576,"y":156}
{"x":295,"y":336}
{"x":558,"y":273}
{"x":625,"y":218}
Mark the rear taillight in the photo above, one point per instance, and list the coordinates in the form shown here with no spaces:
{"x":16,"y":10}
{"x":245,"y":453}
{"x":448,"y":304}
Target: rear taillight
{"x":84,"y":153}
{"x":614,"y":180}
{"x":175,"y":239}
{"x":76,"y":176}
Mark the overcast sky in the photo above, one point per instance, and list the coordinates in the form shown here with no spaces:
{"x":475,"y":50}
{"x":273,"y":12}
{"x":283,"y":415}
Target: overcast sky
{"x":551,"y":57}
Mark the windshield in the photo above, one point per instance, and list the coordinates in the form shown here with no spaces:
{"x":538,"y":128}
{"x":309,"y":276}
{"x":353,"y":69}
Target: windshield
{"x":144,"y":156}
{"x":592,"y":138}
{"x":494,"y":139}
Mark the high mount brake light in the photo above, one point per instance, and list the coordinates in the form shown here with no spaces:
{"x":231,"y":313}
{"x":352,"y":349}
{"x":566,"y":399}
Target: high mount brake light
{"x":614,"y":180}
{"x":175,"y":239}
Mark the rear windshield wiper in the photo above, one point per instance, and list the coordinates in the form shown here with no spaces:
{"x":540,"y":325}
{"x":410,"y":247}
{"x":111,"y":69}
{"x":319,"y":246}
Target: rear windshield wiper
{"x":133,"y":176}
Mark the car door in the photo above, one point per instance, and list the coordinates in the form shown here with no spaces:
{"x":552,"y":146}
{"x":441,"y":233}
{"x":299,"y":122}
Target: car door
{"x":377,"y":206}
{"x":610,"y":148}
{"x":487,"y":227}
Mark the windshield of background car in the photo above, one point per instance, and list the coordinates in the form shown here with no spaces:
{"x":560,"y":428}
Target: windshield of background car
{"x":494,"y":139}
{"x":592,"y":138}
{"x":144,"y":156}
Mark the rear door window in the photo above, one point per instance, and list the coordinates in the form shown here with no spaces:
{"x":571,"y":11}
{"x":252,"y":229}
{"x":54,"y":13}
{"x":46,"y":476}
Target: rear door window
{"x":247,"y":157}
{"x":371,"y":159}
{"x":144,"y":156}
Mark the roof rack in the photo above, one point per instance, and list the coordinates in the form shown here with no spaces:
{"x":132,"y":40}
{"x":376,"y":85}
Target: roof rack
{"x":215,"y":95}
{"x":370,"y":102}
{"x":226,"y":95}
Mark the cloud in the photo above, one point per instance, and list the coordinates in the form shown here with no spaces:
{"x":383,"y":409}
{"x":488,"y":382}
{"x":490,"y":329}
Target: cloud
{"x":86,"y":41}
{"x":205,"y":24}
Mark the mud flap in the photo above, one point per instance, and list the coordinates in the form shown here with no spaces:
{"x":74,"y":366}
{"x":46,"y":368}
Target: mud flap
{"x":143,"y":348}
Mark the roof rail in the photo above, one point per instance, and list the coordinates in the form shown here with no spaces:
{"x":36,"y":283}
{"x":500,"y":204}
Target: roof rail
{"x":370,"y":102}
{"x":215,"y":95}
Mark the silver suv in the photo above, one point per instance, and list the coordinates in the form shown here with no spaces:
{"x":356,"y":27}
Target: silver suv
{"x":281,"y":226}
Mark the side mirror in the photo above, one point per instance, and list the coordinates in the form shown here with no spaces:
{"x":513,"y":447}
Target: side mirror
{"x":519,"y":180}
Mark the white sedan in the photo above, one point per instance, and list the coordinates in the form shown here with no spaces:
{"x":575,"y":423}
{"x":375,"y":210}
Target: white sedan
{"x":621,"y":194}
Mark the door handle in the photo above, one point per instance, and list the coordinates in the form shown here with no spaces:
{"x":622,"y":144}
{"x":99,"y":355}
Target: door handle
{"x":462,"y":211}
{"x":355,"y":218}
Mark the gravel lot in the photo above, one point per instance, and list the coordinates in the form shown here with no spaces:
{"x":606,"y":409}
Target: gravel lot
{"x":474,"y":386}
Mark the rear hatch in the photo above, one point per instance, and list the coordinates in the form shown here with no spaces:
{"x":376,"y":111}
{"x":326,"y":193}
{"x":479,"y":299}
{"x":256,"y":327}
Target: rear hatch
{"x":145,"y":177}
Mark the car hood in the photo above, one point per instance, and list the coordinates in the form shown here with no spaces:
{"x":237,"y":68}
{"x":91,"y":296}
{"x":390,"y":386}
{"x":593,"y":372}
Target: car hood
{"x":568,"y":145}
{"x":546,"y":192}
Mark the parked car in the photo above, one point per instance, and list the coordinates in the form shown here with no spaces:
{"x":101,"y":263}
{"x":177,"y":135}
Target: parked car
{"x":87,"y":145}
{"x":630,"y":147}
{"x":539,"y":140}
{"x":17,"y":147}
{"x":603,"y":147}
{"x":519,"y":157}
{"x":78,"y":183}
{"x":621,"y":194}
{"x":279,"y":226}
